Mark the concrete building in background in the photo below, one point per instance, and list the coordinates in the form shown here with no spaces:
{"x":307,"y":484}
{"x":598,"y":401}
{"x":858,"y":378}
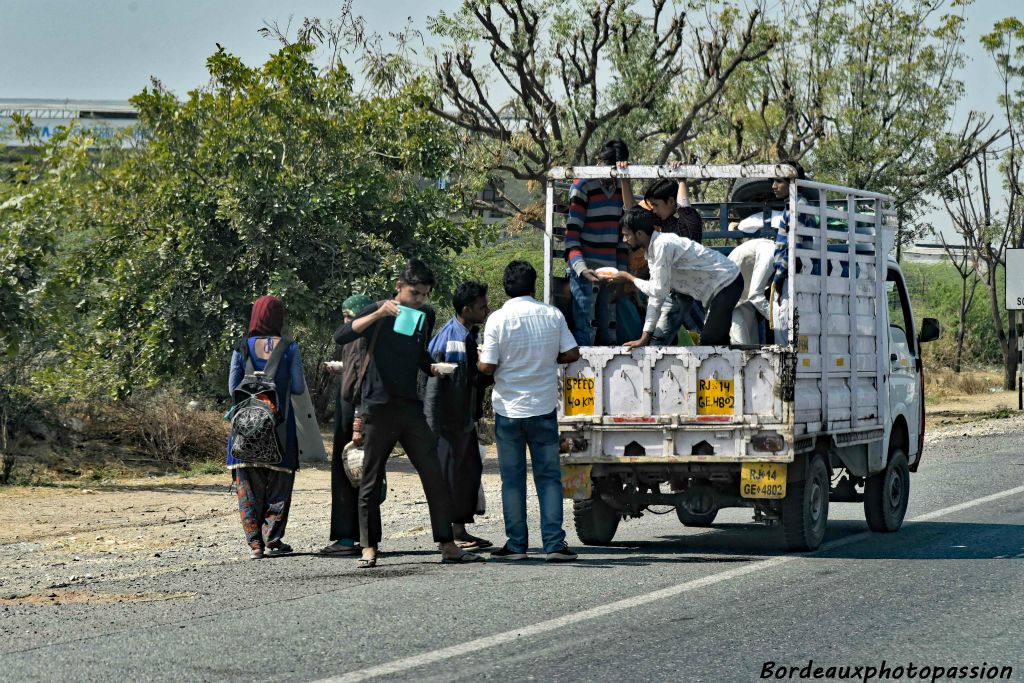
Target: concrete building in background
{"x":102,"y":118}
{"x":933,"y":253}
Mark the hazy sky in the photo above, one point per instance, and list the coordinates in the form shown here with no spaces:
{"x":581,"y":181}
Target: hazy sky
{"x":108,"y":49}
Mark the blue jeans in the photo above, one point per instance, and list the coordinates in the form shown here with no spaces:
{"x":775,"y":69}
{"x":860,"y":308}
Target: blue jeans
{"x":629,"y":321}
{"x":679,"y":311}
{"x":592,"y":311}
{"x":541,"y":434}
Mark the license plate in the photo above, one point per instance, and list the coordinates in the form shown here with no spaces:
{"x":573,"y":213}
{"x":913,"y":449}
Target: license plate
{"x":763,"y":480}
{"x":576,"y":482}
{"x":579,"y":396}
{"x":715,"y":397}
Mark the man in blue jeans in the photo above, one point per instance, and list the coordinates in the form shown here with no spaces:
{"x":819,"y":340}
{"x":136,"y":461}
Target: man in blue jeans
{"x":523,"y":344}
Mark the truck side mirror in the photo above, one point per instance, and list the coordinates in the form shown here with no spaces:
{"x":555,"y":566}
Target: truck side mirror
{"x":930,"y":330}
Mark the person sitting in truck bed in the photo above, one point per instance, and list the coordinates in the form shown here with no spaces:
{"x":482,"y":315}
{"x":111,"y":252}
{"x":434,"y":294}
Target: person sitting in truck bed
{"x":679,"y":264}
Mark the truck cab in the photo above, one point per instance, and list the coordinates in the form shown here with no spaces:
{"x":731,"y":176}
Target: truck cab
{"x":832,"y":413}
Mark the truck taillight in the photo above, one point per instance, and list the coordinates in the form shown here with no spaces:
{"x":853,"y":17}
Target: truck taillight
{"x":768,"y":443}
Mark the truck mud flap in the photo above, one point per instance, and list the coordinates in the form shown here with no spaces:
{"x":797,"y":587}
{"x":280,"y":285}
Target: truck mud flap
{"x":576,"y":482}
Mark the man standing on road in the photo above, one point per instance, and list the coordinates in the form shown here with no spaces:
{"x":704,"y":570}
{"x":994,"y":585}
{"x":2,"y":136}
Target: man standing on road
{"x":454,"y":405}
{"x":392,"y":411}
{"x":523,"y":344}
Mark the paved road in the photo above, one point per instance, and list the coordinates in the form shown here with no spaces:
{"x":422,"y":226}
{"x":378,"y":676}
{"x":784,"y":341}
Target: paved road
{"x":665,"y":603}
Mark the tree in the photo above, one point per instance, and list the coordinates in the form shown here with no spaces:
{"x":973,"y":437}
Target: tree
{"x":538,"y":84}
{"x":274,"y":179}
{"x":1005,"y":228}
{"x":865,"y":90}
{"x":973,"y":223}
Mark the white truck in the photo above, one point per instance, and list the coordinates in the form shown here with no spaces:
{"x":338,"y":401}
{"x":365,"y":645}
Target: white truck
{"x":833,"y":413}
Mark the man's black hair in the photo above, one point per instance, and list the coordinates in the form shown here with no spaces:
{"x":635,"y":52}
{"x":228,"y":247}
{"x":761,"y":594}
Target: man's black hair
{"x":639,"y":219}
{"x":661,"y":188}
{"x":417,"y":273}
{"x":799,"y":169}
{"x":520,"y":279}
{"x":467,"y":294}
{"x":613,"y":151}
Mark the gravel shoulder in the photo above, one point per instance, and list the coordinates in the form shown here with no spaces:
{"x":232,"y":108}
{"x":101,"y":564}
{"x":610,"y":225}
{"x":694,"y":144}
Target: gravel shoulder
{"x":62,"y":543}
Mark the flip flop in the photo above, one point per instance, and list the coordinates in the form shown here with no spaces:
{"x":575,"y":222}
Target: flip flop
{"x":474,"y":544}
{"x":463,"y":558}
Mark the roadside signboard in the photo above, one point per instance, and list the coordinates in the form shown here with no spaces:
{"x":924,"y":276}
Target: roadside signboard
{"x":1015,"y":302}
{"x":1015,"y":279}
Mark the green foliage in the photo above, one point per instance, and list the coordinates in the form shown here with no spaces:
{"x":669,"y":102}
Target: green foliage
{"x":275,"y":179}
{"x":934,"y":291}
{"x":864,"y":91}
{"x":486,"y":262}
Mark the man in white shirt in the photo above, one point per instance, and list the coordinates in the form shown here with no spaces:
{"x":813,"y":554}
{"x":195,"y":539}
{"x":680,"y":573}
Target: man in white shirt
{"x":524,"y":342}
{"x":679,"y":264}
{"x":756,"y":261}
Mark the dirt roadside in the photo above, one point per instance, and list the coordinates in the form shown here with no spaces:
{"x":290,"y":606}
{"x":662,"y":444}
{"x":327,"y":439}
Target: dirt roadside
{"x":59,"y":544}
{"x":58,"y":541}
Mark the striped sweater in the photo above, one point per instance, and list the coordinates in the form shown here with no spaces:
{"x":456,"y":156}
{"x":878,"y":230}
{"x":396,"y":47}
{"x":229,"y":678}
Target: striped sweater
{"x":593,"y":238}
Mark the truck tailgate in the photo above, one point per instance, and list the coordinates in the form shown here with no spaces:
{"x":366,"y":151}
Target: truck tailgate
{"x":663,"y":404}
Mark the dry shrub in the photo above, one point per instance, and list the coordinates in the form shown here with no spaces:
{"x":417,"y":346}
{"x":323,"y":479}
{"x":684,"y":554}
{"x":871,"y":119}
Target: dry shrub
{"x":970,"y":384}
{"x":945,"y":382}
{"x":160,"y":424}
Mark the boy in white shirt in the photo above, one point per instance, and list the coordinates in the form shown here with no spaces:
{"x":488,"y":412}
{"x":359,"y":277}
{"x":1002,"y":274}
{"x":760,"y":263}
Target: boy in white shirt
{"x":679,"y":264}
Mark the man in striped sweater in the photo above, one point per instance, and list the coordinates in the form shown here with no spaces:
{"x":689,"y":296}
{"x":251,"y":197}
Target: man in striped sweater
{"x":593,"y":240}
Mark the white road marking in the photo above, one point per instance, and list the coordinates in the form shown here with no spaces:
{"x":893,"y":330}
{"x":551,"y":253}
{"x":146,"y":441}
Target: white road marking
{"x":462,"y":649}
{"x":969,"y":504}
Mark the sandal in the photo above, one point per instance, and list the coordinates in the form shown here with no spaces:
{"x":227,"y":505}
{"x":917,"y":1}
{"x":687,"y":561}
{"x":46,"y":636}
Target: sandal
{"x":279,"y":549}
{"x":366,"y":562}
{"x":463,"y":558}
{"x":256,"y":553}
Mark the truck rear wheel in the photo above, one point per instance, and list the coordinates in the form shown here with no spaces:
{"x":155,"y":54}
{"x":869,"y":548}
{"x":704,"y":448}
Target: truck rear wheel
{"x":805,"y":508}
{"x":596,"y":521}
{"x":887,"y":493}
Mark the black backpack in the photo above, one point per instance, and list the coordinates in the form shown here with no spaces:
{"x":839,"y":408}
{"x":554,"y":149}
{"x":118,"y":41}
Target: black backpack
{"x":257,"y":417}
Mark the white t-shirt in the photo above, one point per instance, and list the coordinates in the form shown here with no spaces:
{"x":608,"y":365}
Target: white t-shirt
{"x":756,"y":259}
{"x":523,"y":338}
{"x":679,"y":264}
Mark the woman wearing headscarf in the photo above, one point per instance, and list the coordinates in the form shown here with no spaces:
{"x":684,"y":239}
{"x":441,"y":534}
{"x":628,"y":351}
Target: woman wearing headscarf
{"x":345,"y":496}
{"x":265,"y":491}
